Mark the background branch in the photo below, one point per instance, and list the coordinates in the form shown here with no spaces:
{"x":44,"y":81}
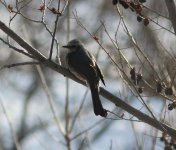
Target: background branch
{"x":172,"y":12}
{"x":117,"y":101}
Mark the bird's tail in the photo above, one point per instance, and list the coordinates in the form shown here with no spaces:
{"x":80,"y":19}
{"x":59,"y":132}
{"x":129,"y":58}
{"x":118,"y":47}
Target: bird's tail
{"x":98,"y":108}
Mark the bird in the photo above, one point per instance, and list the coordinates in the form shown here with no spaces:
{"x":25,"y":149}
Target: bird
{"x":82,"y":64}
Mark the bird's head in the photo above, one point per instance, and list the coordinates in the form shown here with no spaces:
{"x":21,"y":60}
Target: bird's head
{"x":73,"y":45}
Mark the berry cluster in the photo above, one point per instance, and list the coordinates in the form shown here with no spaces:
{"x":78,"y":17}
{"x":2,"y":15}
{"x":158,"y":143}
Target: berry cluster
{"x":134,"y":7}
{"x":160,"y":86}
{"x":137,"y":78}
{"x":172,"y":105}
{"x":170,"y":143}
{"x":53,"y":10}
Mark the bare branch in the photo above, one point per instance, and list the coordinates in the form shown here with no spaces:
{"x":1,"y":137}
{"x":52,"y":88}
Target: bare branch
{"x":79,"y":110}
{"x":21,"y":42}
{"x":14,"y":136}
{"x":141,"y":116}
{"x":20,"y":64}
{"x":50,"y":99}
{"x":54,"y":33}
{"x":114,"y":99}
{"x":172,"y":12}
{"x":16,"y":49}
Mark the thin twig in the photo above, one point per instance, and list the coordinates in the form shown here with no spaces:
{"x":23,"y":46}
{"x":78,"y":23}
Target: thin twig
{"x":14,"y":136}
{"x":67,"y":113}
{"x":79,"y":110}
{"x":16,"y":49}
{"x":172,"y":12}
{"x":21,"y":64}
{"x":88,"y":129}
{"x":154,"y":11}
{"x":18,"y":10}
{"x":77,"y":19}
{"x":21,"y":42}
{"x":114,"y":99}
{"x":50,"y":99}
{"x":54,"y":33}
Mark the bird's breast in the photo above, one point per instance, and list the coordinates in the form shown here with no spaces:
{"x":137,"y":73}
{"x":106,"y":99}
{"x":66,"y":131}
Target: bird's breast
{"x":83,"y":66}
{"x":75,"y":64}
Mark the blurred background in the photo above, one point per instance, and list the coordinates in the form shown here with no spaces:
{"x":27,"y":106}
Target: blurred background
{"x":41,"y":109}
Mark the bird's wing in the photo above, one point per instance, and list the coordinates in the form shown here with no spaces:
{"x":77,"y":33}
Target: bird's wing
{"x":100,"y":74}
{"x":82,"y":65}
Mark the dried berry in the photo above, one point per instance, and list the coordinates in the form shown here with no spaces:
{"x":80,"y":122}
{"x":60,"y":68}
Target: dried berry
{"x":159,"y":87}
{"x":170,"y":107}
{"x":167,"y":147}
{"x":140,"y":89}
{"x":162,"y":138}
{"x":96,"y":38}
{"x":134,"y":79}
{"x":133,"y":71}
{"x":174,"y":103}
{"x":124,"y":4}
{"x":54,"y":10}
{"x":142,"y":1}
{"x":174,"y":145}
{"x":42,"y":8}
{"x":139,"y":18}
{"x":139,"y":78}
{"x":114,"y":2}
{"x":10,"y":8}
{"x":146,"y":21}
{"x":138,"y":8}
{"x":133,"y":75}
{"x":168,"y":91}
{"x":132,"y":4}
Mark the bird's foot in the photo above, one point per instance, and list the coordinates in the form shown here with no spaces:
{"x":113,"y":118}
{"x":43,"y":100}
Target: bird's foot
{"x":103,"y":113}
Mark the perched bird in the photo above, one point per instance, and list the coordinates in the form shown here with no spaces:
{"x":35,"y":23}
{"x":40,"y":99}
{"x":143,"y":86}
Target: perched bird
{"x":83,"y":65}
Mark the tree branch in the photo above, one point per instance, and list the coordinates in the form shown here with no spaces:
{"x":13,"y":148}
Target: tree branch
{"x":16,"y":49}
{"x":54,"y":32}
{"x":114,"y":99}
{"x":20,"y":64}
{"x":141,"y":116}
{"x":172,"y":12}
{"x":21,"y":42}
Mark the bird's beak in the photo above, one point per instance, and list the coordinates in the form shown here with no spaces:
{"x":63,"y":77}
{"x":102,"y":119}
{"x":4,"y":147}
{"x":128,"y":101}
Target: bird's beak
{"x":65,"y":46}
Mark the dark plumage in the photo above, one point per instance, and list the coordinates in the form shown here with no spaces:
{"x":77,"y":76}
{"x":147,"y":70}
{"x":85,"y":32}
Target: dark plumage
{"x":83,"y":65}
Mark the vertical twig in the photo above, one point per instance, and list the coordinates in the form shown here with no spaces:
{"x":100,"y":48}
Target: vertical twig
{"x":11,"y":126}
{"x":45,"y":86}
{"x":78,"y":112}
{"x":67,"y":117}
{"x":172,"y":12}
{"x":54,"y":33}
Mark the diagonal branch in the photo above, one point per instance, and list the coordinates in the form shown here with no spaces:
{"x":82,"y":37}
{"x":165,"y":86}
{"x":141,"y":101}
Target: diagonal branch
{"x":109,"y":96}
{"x":16,"y":49}
{"x":141,"y":116}
{"x":21,"y":42}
